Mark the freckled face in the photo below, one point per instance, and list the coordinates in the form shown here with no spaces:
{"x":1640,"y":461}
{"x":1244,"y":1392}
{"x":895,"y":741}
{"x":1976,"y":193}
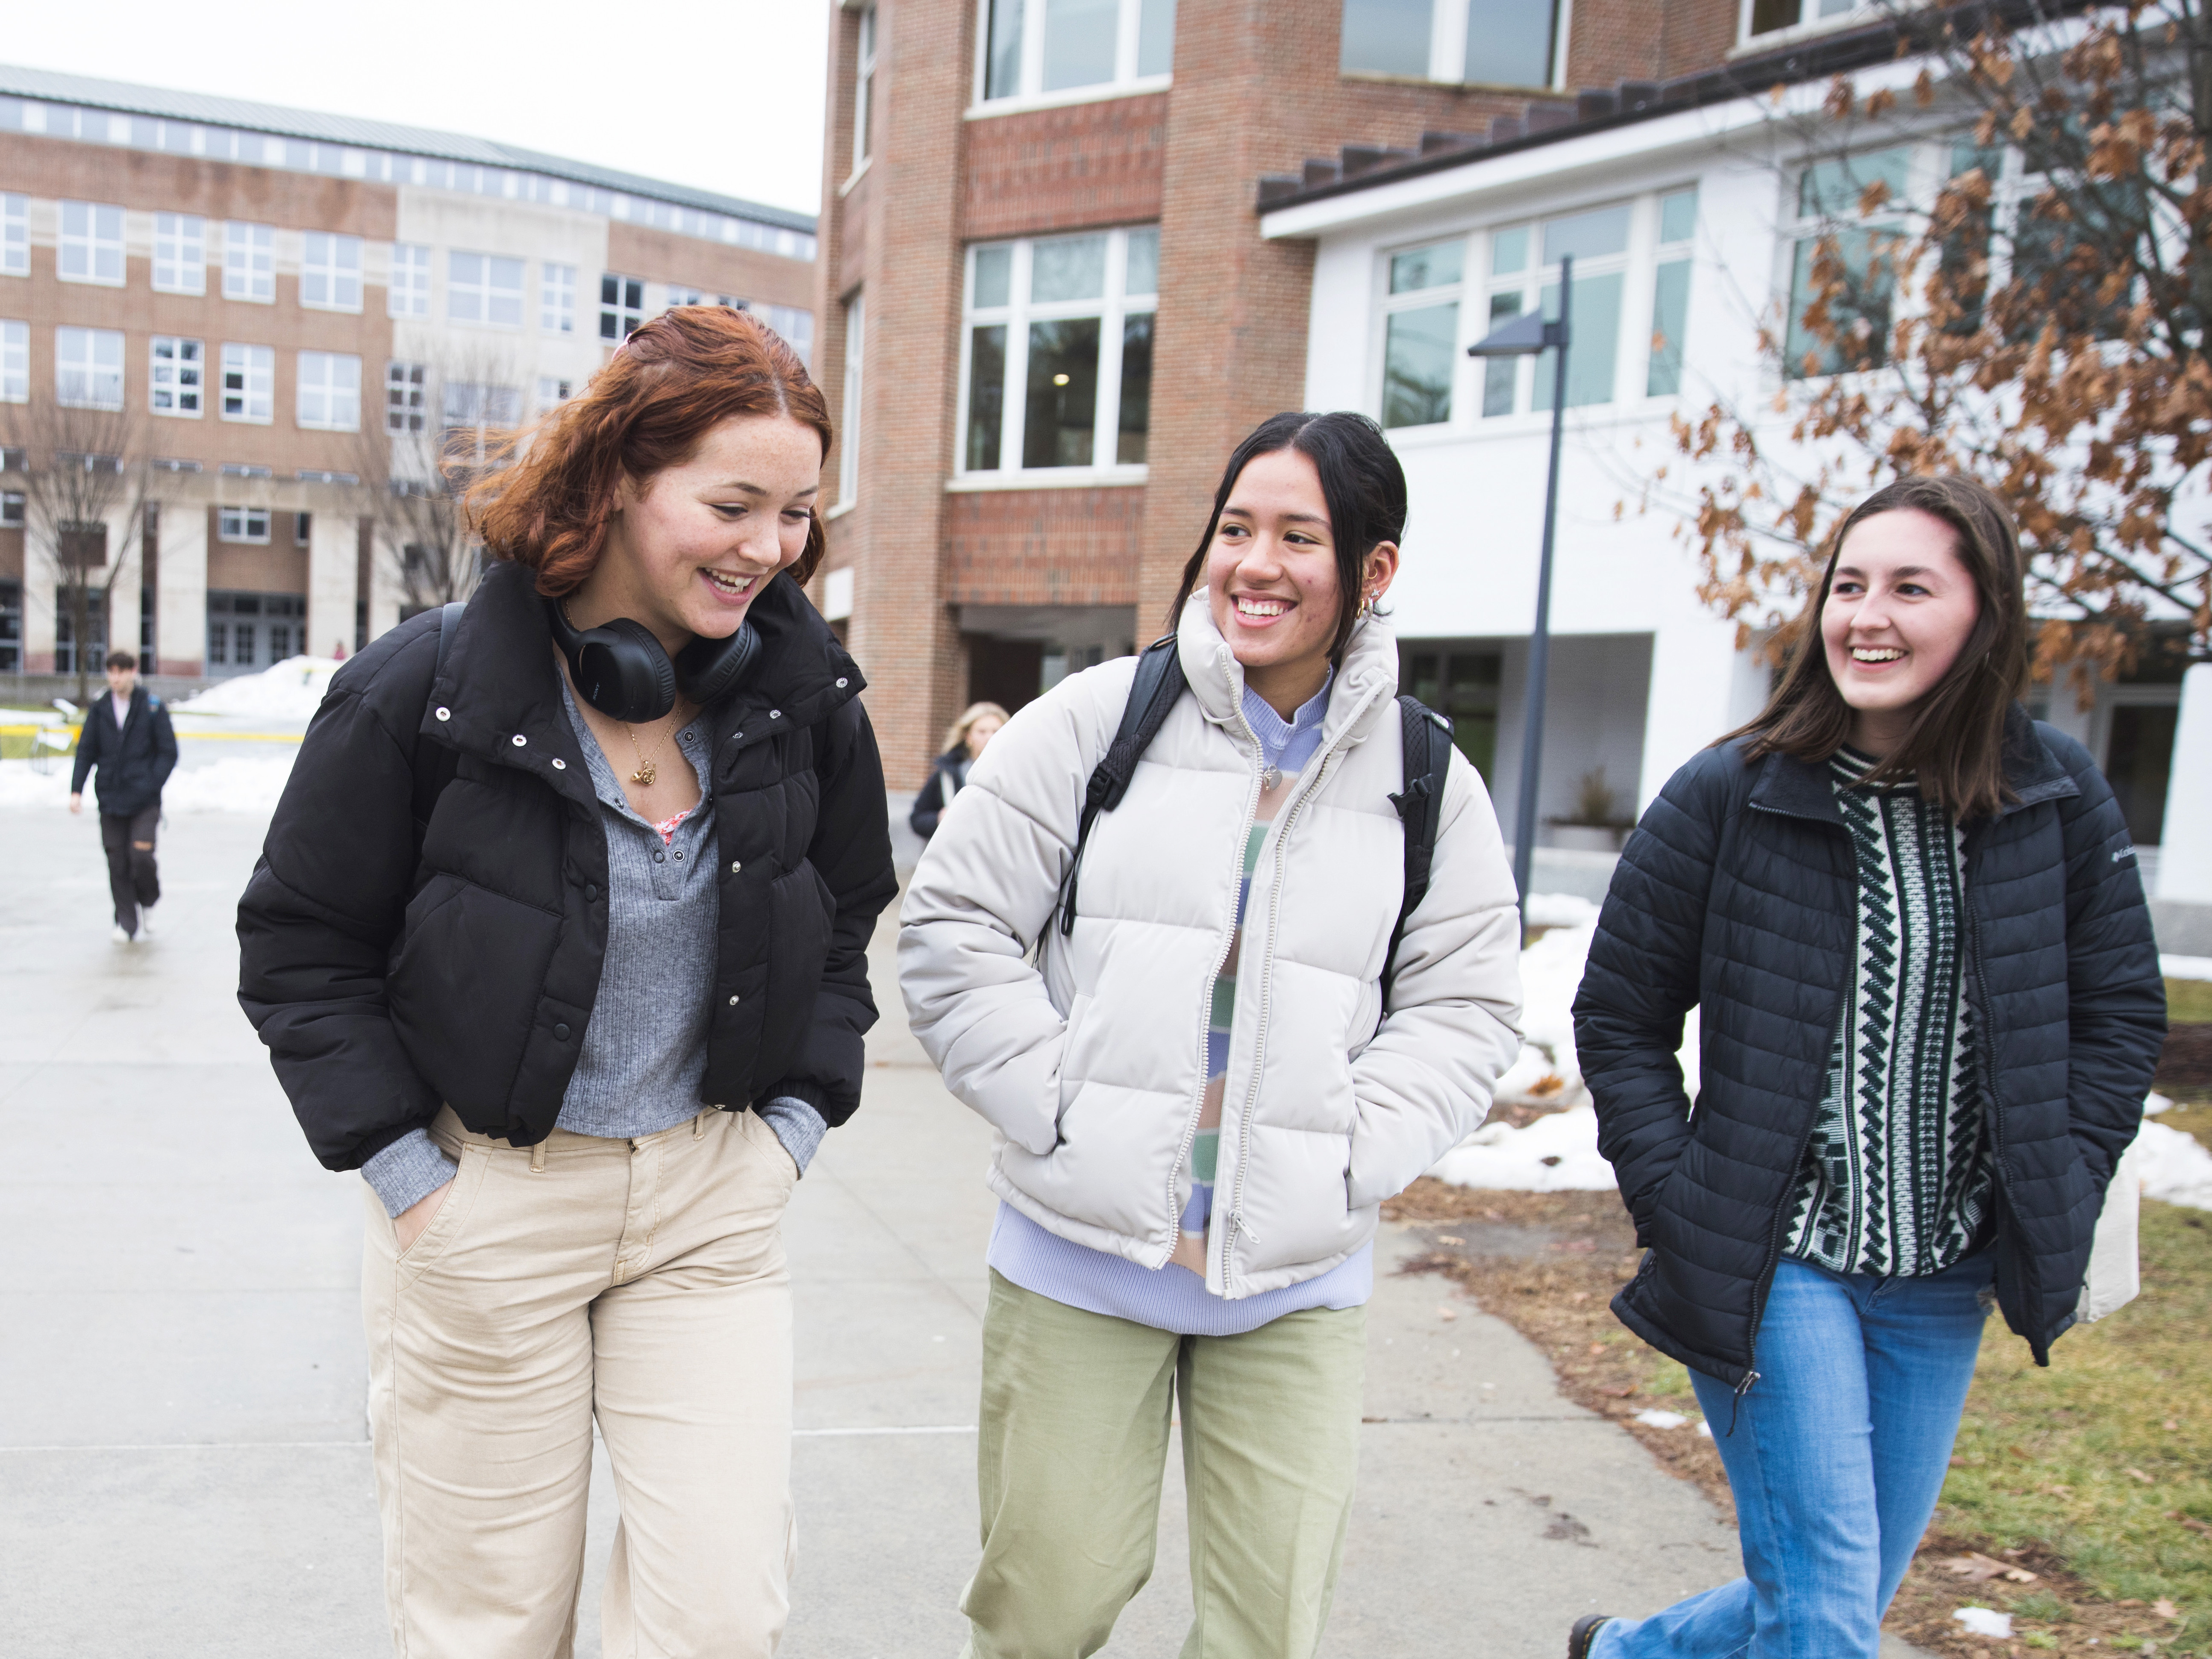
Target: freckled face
{"x":1898,"y":613}
{"x":690,"y":550}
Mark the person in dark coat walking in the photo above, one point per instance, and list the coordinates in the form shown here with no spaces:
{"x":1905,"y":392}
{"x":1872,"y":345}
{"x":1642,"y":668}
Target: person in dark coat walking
{"x":1930,"y":1006}
{"x":560,"y":938}
{"x":963,"y":746}
{"x":128,"y":737}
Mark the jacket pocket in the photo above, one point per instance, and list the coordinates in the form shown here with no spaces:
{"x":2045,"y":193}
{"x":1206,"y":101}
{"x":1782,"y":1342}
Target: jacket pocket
{"x":1068,"y":1075}
{"x":799,"y":912}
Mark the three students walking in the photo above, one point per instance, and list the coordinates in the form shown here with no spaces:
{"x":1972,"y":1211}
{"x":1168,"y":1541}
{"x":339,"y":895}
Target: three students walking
{"x":559,"y":938}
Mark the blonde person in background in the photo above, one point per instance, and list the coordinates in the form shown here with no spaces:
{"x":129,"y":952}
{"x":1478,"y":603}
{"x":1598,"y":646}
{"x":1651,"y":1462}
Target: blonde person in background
{"x":964,"y":741}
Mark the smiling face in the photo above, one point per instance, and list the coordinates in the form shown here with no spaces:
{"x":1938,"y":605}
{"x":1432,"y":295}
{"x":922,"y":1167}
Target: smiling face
{"x":1271,"y":578}
{"x":690,"y":550}
{"x":1901,"y":608}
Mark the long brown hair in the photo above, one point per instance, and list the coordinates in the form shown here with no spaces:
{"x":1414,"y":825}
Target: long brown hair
{"x":1954,"y":747}
{"x":673,"y":380}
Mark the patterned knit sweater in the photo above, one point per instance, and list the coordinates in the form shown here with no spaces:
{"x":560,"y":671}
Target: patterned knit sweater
{"x":1897,"y":1176}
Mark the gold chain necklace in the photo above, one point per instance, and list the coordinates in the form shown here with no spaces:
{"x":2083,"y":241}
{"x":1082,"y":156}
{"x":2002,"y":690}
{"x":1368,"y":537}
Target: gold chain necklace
{"x":647,"y":771}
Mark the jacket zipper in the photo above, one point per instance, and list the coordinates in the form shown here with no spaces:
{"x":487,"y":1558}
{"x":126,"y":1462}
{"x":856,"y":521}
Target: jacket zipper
{"x":1985,"y":1045}
{"x":1235,"y":1221}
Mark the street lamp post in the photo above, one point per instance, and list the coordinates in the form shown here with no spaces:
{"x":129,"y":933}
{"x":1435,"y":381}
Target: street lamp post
{"x":1526,"y":336}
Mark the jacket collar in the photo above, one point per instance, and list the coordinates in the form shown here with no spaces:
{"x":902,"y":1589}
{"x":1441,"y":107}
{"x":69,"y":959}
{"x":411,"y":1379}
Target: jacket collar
{"x":1365,"y":681}
{"x":1802,"y":788}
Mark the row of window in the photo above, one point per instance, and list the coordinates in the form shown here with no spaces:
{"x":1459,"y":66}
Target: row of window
{"x":1029,"y":47}
{"x":489,"y":290}
{"x":88,"y":373}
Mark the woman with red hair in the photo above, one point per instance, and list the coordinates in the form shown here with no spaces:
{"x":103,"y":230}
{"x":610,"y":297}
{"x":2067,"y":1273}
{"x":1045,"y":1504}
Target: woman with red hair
{"x":559,"y":937}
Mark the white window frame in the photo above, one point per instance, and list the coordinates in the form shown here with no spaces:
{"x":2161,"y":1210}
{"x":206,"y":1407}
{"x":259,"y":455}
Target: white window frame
{"x":327,"y":391}
{"x":1030,"y":92}
{"x":14,"y":235}
{"x":483,"y":406}
{"x":255,"y":366}
{"x":679,"y":295}
{"x":1850,"y":12}
{"x":249,"y":262}
{"x":88,"y":244}
{"x":794,"y":324}
{"x":557,"y":298}
{"x":485,"y":294}
{"x":849,"y":410}
{"x":622,"y":309}
{"x":864,"y":83}
{"x":1922,"y":169}
{"x":1448,"y":36}
{"x":1460,"y":294}
{"x":1113,"y":309}
{"x":92,"y":352}
{"x":406,"y":397}
{"x":330,"y":271}
{"x":179,"y":253}
{"x":553,"y":390}
{"x":1633,"y":264}
{"x":409,"y":294}
{"x":1665,"y":253}
{"x":178,"y":371}
{"x":14,"y":361}
{"x":235,"y":523}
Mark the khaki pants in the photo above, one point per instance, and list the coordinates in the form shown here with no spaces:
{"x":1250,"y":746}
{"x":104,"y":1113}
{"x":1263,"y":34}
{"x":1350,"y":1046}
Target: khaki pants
{"x":640,"y":1282}
{"x":1074,"y":1440}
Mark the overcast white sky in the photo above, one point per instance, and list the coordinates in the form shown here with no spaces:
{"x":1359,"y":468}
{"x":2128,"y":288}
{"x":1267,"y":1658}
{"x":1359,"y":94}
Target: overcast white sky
{"x":725,"y":96}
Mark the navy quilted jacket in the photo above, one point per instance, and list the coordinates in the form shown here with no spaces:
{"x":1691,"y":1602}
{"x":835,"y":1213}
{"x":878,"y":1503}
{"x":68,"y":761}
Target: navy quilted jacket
{"x":1735,"y":897}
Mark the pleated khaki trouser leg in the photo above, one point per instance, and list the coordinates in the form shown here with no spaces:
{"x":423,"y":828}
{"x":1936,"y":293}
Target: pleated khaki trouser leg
{"x":641,"y":1280}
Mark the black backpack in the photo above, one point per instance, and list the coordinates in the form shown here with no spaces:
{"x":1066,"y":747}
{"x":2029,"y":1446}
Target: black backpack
{"x":1160,"y":683}
{"x":435,"y":765}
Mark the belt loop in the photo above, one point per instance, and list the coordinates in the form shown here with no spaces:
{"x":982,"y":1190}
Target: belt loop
{"x":538,"y":1158}
{"x":699,"y":1126}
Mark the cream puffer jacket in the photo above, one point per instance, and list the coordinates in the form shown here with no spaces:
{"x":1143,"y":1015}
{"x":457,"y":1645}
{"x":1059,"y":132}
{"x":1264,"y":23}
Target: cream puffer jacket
{"x":1092,"y":1069}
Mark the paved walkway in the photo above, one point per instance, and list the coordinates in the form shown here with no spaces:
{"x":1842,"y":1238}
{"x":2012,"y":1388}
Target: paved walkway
{"x":183,"y":1467}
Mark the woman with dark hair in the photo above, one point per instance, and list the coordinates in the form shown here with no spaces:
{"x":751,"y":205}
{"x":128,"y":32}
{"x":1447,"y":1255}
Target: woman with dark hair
{"x":1929,"y":1005}
{"x":963,"y":746}
{"x":1201,"y":1088}
{"x":559,"y":938}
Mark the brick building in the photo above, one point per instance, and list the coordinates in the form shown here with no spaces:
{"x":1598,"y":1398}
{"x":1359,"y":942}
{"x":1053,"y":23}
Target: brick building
{"x":1048,"y":309}
{"x":258,"y":321}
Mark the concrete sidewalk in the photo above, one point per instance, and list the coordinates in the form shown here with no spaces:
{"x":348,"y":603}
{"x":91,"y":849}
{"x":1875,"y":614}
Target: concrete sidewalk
{"x":183,"y":1469}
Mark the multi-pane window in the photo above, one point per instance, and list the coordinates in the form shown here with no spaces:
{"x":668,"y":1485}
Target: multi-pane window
{"x":864,"y":88}
{"x":1524,"y":274}
{"x":1864,"y":250}
{"x":179,"y":253}
{"x":470,"y":404}
{"x":797,"y":327}
{"x":330,"y":272}
{"x":622,"y":307}
{"x":1420,"y":334}
{"x":14,"y":361}
{"x":552,"y":392}
{"x":404,"y":391}
{"x":249,"y":262}
{"x":848,"y":415}
{"x":1501,"y":43}
{"x":242,"y":524}
{"x":1765,"y":17}
{"x":14,"y":235}
{"x":484,"y":288}
{"x":1058,"y":368}
{"x":1034,"y":47}
{"x":1670,"y":292}
{"x":88,"y":368}
{"x":89,"y":248}
{"x":684,"y":296}
{"x":330,"y":392}
{"x":410,"y":294}
{"x":249,"y":383}
{"x":179,"y":376}
{"x":556,"y":299}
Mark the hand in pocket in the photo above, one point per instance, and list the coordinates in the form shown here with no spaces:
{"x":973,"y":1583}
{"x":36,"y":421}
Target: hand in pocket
{"x":412,"y":1222}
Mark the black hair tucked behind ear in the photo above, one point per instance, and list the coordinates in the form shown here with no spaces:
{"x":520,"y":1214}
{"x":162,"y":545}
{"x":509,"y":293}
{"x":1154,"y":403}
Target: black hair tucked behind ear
{"x":1360,"y":480}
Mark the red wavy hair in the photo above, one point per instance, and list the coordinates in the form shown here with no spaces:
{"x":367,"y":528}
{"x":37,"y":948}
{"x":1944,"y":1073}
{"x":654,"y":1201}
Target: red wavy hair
{"x":671,"y":382}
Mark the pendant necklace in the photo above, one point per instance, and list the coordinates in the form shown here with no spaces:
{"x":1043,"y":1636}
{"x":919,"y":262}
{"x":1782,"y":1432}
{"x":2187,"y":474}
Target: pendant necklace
{"x":647,"y":771}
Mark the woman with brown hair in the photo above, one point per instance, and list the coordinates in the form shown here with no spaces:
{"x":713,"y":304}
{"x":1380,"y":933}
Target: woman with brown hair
{"x":559,"y":938}
{"x":1930,"y":1006}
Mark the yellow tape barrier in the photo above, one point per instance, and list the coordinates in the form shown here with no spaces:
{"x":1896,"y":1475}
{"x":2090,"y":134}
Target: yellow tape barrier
{"x":182,"y":737}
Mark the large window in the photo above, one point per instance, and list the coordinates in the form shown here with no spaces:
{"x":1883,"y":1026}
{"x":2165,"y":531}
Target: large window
{"x":1058,"y":371}
{"x":410,"y":294}
{"x":330,"y":392}
{"x":14,"y":361}
{"x":405,"y":389}
{"x":242,"y":524}
{"x":848,"y":415}
{"x":795,"y":325}
{"x":90,"y":246}
{"x":484,"y":288}
{"x":179,"y":376}
{"x":1420,"y":334}
{"x":1524,"y":273}
{"x":1034,"y":48}
{"x":1766,"y":16}
{"x":1464,"y":684}
{"x":476,"y":407}
{"x":1507,"y":43}
{"x":330,"y":272}
{"x":14,"y":235}
{"x":246,"y":631}
{"x":249,"y":262}
{"x":622,"y":307}
{"x":249,"y":383}
{"x":11,"y":628}
{"x":556,"y":299}
{"x":1670,"y":292}
{"x":864,"y":90}
{"x":88,"y":368}
{"x":1848,"y":257}
{"x":179,"y":253}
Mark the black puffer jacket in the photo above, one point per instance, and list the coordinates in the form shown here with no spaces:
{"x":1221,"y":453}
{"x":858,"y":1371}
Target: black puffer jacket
{"x":1735,"y":897}
{"x":134,"y":761}
{"x":390,"y":966}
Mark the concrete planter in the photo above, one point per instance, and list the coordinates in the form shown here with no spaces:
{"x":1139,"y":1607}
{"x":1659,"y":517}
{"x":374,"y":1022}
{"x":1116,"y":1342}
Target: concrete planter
{"x":1585,"y":837}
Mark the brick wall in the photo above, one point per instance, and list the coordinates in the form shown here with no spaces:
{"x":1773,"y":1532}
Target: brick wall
{"x":1044,"y":546}
{"x":1062,"y":169}
{"x":663,"y":256}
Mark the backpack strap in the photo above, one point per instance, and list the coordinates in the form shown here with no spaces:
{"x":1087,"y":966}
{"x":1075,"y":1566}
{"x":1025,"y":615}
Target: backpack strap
{"x":1159,"y":684}
{"x":1427,"y":741}
{"x":436,"y":763}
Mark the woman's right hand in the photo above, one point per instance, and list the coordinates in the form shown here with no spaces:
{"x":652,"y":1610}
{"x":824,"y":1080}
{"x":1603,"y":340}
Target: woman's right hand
{"x":410,"y":1222}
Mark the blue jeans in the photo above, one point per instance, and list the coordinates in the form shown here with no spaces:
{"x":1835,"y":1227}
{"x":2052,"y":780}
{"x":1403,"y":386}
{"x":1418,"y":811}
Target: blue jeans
{"x":1837,"y":1459}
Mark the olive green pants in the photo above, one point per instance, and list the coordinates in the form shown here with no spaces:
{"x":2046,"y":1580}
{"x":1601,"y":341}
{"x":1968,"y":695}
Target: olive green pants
{"x":1074,"y":1440}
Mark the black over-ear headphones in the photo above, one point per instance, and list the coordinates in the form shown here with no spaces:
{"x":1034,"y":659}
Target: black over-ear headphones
{"x":620,"y":669}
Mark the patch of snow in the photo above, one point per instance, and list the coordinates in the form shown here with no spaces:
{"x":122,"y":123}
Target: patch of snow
{"x":1556,"y":1153}
{"x":1659,"y":1419}
{"x":1985,"y":1621}
{"x":33,"y":717}
{"x":1705,"y":1429}
{"x":290,"y":691}
{"x":1560,"y":910}
{"x":2185,"y":967}
{"x":2175,"y":1167}
{"x":248,"y":787}
{"x":2155,"y":1103}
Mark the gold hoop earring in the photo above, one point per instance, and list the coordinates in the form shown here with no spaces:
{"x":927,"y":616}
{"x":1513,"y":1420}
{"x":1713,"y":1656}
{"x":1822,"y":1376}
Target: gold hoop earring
{"x":1366,"y":606}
